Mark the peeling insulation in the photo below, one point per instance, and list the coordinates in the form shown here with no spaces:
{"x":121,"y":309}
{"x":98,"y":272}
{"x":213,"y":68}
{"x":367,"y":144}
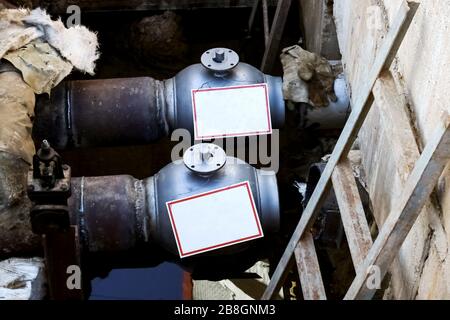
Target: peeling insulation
{"x":307,"y":77}
{"x":16,"y":109}
{"x":22,"y":279}
{"x":13,"y":33}
{"x":41,"y":66}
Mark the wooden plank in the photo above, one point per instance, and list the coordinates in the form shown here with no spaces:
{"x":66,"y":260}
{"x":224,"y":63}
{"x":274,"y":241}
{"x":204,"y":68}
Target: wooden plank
{"x":276,"y":32}
{"x":352,"y":212}
{"x":309,"y":269}
{"x":418,"y":188}
{"x":251,"y":20}
{"x":362,"y":106}
{"x":266,"y":21}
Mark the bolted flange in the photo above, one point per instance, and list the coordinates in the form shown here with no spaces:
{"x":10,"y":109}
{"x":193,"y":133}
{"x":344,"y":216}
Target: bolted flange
{"x":204,"y":158}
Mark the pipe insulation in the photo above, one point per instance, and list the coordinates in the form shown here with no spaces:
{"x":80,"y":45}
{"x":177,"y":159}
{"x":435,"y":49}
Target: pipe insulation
{"x":16,"y":151}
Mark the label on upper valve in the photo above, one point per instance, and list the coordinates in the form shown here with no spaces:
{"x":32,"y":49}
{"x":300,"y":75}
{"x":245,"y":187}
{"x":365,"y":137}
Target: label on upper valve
{"x":214,"y":219}
{"x":231,"y":111}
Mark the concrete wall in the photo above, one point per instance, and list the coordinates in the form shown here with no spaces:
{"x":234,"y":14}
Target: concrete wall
{"x":319,"y":28}
{"x":397,"y":129}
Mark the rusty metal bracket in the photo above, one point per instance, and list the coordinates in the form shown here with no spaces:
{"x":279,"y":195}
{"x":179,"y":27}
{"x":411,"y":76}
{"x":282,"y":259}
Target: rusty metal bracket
{"x":49,"y":188}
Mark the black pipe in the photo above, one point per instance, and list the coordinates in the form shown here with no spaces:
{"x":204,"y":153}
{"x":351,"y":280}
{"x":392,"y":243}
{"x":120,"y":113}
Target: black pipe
{"x":131,"y":111}
{"x":102,"y":113}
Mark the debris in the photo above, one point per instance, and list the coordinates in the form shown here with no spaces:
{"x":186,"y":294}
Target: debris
{"x":22,"y":279}
{"x":16,"y":109}
{"x":308,"y":78}
{"x":45,"y":50}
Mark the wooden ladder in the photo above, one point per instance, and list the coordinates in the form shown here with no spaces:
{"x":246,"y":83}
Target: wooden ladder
{"x":338,"y":174}
{"x":272,"y":33}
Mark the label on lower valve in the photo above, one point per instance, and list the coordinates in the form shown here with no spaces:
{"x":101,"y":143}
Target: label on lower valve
{"x":214,"y":219}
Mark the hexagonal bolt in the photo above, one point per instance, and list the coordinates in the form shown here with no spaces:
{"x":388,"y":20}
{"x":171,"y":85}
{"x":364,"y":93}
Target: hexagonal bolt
{"x":219,"y":56}
{"x":205,"y":154}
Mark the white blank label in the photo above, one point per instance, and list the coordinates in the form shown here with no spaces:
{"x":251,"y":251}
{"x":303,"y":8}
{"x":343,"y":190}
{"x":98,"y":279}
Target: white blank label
{"x":231,"y":111}
{"x":214,"y":219}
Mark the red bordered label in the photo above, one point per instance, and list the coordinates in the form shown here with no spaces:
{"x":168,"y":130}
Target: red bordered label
{"x":214,"y":219}
{"x":231,"y":111}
